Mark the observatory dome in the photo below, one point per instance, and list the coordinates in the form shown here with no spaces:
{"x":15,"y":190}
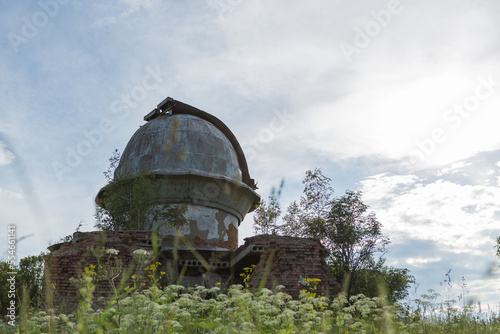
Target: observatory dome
{"x":196,"y":160}
{"x":180,"y":144}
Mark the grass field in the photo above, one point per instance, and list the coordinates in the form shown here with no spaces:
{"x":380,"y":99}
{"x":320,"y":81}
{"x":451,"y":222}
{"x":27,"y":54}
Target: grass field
{"x":175,"y":309}
{"x":145,"y":308}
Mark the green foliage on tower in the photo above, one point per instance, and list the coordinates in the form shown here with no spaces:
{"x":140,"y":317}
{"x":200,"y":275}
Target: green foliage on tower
{"x":129,"y":201}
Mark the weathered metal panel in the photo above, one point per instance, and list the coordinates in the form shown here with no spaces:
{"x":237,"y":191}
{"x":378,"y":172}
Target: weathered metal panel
{"x":180,"y":142}
{"x":197,"y":161}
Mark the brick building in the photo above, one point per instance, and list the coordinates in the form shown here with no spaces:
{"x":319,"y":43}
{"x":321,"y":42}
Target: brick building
{"x":198,"y":163}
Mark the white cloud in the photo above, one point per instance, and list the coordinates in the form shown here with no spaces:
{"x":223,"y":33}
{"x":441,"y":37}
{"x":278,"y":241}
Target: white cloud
{"x":454,"y":168}
{"x":6,"y":156}
{"x":136,"y":5}
{"x":396,"y":120}
{"x":10,"y":194}
{"x":452,"y":214}
{"x":436,"y":224}
{"x":378,"y":187}
{"x":384,"y":104}
{"x":421,"y":262}
{"x":398,"y":93}
{"x":123,"y":9}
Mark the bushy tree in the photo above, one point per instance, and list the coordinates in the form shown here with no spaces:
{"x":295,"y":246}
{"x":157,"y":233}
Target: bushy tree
{"x":4,"y":287}
{"x":266,"y":215}
{"x":305,"y":218}
{"x":345,"y":227}
{"x":498,"y":247}
{"x":29,"y":274}
{"x":129,"y":202}
{"x":352,"y":235}
{"x":376,"y":278}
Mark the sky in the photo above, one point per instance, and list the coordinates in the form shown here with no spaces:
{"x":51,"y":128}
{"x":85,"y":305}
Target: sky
{"x":397,"y":99}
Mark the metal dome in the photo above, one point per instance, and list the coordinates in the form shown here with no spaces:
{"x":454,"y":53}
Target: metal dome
{"x":180,"y":144}
{"x":181,"y":139}
{"x":196,"y":160}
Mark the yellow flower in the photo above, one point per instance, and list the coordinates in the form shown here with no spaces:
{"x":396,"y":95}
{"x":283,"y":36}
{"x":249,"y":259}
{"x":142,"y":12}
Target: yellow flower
{"x":162,"y":273}
{"x":133,"y":276}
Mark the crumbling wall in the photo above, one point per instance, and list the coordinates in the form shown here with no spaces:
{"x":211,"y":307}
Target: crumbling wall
{"x":68,"y":260}
{"x":287,"y":261}
{"x":279,"y":260}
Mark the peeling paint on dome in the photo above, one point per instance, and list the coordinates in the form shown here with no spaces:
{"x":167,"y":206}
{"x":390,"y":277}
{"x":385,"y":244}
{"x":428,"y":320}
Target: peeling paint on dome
{"x":196,"y":160}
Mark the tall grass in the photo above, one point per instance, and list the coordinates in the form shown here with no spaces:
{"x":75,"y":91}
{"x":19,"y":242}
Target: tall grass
{"x":234,"y":309}
{"x":175,"y":309}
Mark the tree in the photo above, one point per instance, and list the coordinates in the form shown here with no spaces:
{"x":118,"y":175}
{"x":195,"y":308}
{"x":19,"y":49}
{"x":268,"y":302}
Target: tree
{"x":376,"y":279}
{"x":4,"y":287}
{"x":346,"y":229}
{"x":129,"y":202}
{"x":304,"y":219}
{"x":266,"y":215}
{"x":29,"y":276}
{"x":352,"y":235}
{"x":498,"y":247}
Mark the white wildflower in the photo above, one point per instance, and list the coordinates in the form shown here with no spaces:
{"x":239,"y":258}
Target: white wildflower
{"x":140,"y":252}
{"x":175,"y":324}
{"x":112,"y":251}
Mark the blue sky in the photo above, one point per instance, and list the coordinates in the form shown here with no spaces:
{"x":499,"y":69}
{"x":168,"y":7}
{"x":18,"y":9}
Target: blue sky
{"x":398,"y":99}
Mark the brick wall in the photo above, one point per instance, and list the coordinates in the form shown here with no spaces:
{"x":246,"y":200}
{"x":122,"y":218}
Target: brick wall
{"x":291,"y":259}
{"x":68,"y":259}
{"x":287,"y":260}
{"x":231,"y":243}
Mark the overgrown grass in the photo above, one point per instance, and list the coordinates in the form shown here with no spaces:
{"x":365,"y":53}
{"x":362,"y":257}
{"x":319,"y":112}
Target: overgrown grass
{"x":176,"y":309}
